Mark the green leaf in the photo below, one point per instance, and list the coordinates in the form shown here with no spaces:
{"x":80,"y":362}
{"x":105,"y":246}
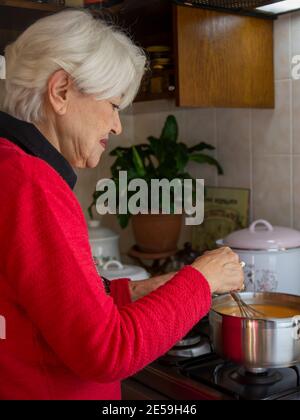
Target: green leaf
{"x":170,"y":130}
{"x":119,"y":151}
{"x":181,"y":157}
{"x":201,"y":146}
{"x":90,"y":210}
{"x":201,"y":158}
{"x":157,"y":148}
{"x":144,"y":150}
{"x":138,"y":163}
{"x":123,"y":220}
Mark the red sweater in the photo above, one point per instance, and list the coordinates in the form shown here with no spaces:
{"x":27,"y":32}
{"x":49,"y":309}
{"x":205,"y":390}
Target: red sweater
{"x":65,"y":338}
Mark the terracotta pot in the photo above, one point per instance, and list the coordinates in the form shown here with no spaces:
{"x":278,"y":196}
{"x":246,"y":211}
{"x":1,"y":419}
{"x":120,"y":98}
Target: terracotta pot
{"x":156,"y":232}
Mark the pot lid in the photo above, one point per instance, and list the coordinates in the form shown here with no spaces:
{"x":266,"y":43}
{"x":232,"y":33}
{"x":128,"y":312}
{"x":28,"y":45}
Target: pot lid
{"x":114,"y":269}
{"x":98,"y":232}
{"x":262,"y":235}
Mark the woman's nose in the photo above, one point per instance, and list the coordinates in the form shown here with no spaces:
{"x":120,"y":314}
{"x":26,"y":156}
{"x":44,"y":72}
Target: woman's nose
{"x":117,"y":127}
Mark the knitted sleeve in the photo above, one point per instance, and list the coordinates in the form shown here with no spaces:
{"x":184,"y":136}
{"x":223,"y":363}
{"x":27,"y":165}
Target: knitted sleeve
{"x":46,"y":258}
{"x":120,"y":291}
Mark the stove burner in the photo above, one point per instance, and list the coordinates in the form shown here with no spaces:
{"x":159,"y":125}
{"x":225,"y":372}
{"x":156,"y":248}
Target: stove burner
{"x":236,"y":381}
{"x":189,"y":340}
{"x":244,"y":377}
{"x":201,"y":347}
{"x":196,"y":368}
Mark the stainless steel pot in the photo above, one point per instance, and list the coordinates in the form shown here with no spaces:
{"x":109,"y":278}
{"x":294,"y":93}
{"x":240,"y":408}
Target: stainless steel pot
{"x":256,"y":344}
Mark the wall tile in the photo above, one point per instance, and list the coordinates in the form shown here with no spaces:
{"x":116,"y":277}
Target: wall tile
{"x":296,"y":115}
{"x":203,"y":171}
{"x":282,"y":47}
{"x":147,"y":125}
{"x":200,"y":127}
{"x":295,"y":33}
{"x":271,"y":189}
{"x":296,"y":191}
{"x":151,"y":107}
{"x":233,"y":146}
{"x":271,"y":127}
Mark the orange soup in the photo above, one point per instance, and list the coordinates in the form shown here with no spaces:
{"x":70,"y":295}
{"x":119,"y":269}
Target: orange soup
{"x":269,"y":311}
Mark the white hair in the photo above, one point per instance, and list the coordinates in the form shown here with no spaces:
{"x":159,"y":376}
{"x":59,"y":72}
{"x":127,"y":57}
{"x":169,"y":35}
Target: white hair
{"x":101,"y":60}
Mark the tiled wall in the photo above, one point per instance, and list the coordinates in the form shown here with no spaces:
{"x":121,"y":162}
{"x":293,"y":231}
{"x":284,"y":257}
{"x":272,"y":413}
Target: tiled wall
{"x":259,"y":149}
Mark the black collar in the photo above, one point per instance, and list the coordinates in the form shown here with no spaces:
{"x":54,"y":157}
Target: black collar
{"x":31,"y":140}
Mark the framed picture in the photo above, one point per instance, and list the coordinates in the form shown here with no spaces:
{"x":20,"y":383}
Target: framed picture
{"x":226,"y":210}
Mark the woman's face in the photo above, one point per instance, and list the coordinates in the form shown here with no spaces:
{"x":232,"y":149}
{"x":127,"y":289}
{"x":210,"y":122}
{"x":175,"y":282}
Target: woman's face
{"x":86,"y":127}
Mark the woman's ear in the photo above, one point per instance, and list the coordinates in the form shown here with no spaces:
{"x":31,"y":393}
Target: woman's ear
{"x":59,"y":86}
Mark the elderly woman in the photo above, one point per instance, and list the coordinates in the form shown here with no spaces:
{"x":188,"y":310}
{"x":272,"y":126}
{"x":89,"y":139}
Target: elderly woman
{"x":68,"y":335}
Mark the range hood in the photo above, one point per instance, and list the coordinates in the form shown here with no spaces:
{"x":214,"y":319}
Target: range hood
{"x":252,"y":7}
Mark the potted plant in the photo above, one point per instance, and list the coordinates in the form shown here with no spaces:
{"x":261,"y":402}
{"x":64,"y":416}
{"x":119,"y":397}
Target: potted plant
{"x":159,"y":158}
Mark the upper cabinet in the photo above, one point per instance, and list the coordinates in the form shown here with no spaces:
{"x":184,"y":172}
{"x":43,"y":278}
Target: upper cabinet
{"x":216,"y":59}
{"x":17,"y":15}
{"x":222,"y":59}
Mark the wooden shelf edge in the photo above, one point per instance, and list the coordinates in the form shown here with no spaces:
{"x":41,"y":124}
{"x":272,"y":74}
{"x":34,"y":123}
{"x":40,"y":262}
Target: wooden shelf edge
{"x":154,"y":97}
{"x":26,"y":4}
{"x":45,"y":7}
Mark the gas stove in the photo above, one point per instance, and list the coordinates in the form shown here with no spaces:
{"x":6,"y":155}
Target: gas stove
{"x":192,"y":371}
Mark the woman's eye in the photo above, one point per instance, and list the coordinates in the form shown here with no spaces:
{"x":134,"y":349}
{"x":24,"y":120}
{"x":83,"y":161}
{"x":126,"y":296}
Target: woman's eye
{"x":116,"y":107}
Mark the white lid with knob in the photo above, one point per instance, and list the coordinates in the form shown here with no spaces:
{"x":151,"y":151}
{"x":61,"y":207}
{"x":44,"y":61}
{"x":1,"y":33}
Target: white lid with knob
{"x":114,"y":269}
{"x":261,"y":235}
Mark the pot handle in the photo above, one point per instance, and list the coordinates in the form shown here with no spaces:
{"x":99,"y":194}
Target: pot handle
{"x":114,"y":263}
{"x":261,"y":222}
{"x":296,"y":327}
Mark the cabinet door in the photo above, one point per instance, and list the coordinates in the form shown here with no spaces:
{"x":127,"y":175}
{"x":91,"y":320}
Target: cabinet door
{"x":223,"y":59}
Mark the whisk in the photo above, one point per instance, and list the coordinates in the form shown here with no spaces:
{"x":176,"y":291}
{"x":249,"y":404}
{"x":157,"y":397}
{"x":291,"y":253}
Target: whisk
{"x":247,"y":311}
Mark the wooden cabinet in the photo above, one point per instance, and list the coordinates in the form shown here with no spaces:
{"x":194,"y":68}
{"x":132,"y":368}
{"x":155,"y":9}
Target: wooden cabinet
{"x":222,"y":59}
{"x":219,"y":59}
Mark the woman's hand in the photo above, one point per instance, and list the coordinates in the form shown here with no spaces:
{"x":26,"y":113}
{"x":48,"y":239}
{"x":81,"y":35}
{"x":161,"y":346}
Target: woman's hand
{"x":142,"y":288}
{"x":222,"y":269}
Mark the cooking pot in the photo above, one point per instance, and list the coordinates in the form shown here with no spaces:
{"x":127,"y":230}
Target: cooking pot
{"x":113,"y":270}
{"x":104,"y":242}
{"x":256,"y":343}
{"x":271,"y":255}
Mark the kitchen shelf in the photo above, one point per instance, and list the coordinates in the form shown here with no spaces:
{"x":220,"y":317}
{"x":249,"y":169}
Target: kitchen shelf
{"x":169,"y":73}
{"x":26,"y":4}
{"x":142,"y":97}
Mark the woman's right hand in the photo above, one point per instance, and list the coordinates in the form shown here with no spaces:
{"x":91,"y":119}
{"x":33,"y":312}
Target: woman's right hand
{"x":222,"y":269}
